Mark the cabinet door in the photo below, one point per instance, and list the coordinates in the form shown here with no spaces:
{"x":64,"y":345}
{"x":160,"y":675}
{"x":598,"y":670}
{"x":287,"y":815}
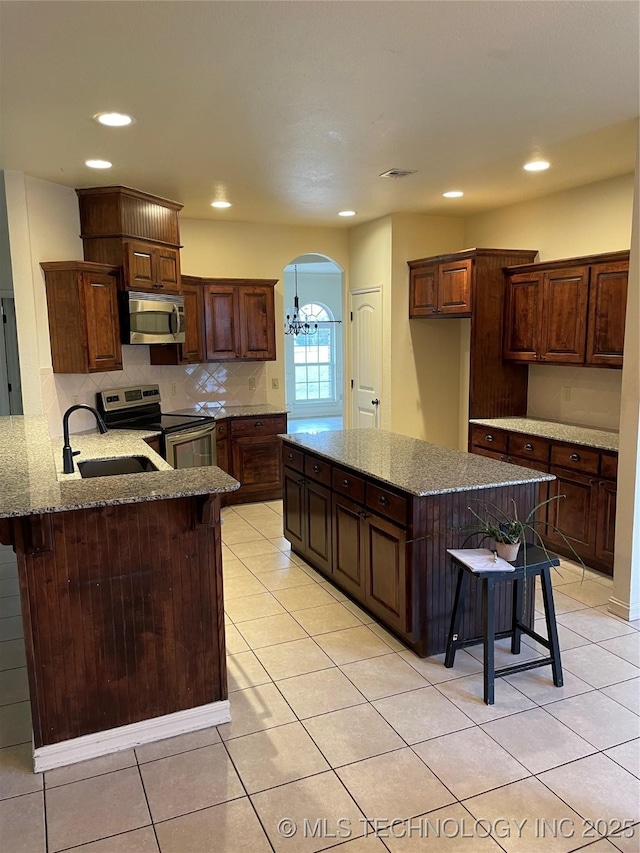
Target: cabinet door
{"x":564,"y":318}
{"x":454,"y":288}
{"x":523,"y":316}
{"x":257,"y":323}
{"x":384,"y":556}
{"x":606,"y":526}
{"x":575,"y":515}
{"x":423,"y":288}
{"x":607,"y":311}
{"x":256,"y":461}
{"x":139,"y":266}
{"x":167,"y":269}
{"x":348,"y":565}
{"x":318,"y":525}
{"x":220,"y":321}
{"x":293,"y":508}
{"x":192,"y":348}
{"x":100,"y":294}
{"x":222,"y":455}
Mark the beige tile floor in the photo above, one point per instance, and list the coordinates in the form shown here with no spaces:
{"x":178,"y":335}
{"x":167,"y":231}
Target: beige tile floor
{"x":335,"y":720}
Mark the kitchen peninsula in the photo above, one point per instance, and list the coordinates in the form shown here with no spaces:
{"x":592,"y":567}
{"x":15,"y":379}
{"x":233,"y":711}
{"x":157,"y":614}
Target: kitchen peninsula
{"x":121,"y":592}
{"x":375,"y":512}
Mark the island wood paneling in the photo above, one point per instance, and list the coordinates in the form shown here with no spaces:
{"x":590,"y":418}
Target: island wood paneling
{"x":123,"y":614}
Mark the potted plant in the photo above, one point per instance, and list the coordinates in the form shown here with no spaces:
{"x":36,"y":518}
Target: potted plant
{"x":508,"y":531}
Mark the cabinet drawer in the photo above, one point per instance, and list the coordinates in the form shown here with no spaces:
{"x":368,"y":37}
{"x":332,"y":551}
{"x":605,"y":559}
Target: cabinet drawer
{"x":293,"y":458}
{"x":386,"y":503}
{"x":317,"y":469}
{"x":492,"y":439}
{"x":348,"y":484}
{"x":222,"y":431}
{"x":609,"y":467}
{"x":260,"y":425}
{"x":528,"y":447}
{"x":575,"y":457}
{"x":490,"y":454}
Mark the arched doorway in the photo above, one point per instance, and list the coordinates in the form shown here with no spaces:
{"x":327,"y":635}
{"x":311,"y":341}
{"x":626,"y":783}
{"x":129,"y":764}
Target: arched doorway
{"x":314,"y":371}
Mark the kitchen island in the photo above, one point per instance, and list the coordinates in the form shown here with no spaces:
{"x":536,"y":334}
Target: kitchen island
{"x":121,"y":592}
{"x":375,"y":512}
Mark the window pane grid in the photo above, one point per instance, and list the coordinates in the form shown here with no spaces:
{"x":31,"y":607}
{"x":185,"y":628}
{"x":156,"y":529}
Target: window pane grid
{"x":314,"y":357}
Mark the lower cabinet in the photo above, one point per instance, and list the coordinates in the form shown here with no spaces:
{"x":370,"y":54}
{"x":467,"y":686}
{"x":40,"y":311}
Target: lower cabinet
{"x":307,"y":518}
{"x":385,"y":576}
{"x":606,"y":526}
{"x":575,"y":511}
{"x":249,"y":449}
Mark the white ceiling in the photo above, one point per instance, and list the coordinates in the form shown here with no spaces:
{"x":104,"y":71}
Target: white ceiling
{"x":292,"y":109}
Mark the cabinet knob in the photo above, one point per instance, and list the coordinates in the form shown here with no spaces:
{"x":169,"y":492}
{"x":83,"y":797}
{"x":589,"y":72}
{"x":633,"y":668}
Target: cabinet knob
{"x":290,"y":456}
{"x":316,"y":468}
{"x":528,"y":446}
{"x":384,"y":501}
{"x":258,"y":425}
{"x":575,"y":457}
{"x":488,"y":437}
{"x":346,"y":483}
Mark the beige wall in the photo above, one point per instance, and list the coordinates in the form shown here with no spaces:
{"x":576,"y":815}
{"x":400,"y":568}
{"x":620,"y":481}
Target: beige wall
{"x":583,"y":221}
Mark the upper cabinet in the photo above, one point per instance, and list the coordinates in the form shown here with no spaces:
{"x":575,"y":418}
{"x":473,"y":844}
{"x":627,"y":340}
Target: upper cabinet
{"x":82,"y":303}
{"x":440,"y":289}
{"x":133,"y":230}
{"x":226,"y":319}
{"x":239,"y":319}
{"x":567,"y":312}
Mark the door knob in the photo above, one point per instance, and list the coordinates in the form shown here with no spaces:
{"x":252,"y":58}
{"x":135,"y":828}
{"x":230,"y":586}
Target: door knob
{"x":375,"y":402}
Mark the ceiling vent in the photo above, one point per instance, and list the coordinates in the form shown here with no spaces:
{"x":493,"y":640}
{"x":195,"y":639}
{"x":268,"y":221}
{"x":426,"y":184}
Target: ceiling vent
{"x":398,"y":173}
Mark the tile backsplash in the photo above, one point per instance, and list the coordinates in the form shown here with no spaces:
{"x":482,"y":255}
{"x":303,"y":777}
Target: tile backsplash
{"x":595,"y":395}
{"x":180,"y":387}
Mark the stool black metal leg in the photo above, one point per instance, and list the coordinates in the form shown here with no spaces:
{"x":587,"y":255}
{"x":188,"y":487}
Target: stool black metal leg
{"x":552,"y":629}
{"x":516,"y":615}
{"x":489,"y":618}
{"x":456,"y":619}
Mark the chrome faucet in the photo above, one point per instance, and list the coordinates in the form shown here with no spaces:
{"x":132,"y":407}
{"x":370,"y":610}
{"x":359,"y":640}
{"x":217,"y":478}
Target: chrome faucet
{"x":67,"y":452}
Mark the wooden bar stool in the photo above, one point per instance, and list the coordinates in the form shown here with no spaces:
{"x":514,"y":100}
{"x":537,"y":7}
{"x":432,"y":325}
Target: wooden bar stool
{"x":478,"y":563}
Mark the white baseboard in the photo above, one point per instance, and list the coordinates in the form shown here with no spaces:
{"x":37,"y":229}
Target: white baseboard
{"x":124,"y":737}
{"x":623,"y":609}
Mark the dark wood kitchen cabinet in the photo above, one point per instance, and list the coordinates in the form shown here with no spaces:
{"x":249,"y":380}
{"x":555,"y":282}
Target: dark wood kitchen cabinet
{"x":471,"y":284}
{"x":385,"y":548}
{"x":192,"y":350}
{"x":249,"y":448}
{"x":136,"y":231}
{"x":585,"y":476}
{"x":82,"y":306}
{"x":239,"y":319}
{"x":568,"y":311}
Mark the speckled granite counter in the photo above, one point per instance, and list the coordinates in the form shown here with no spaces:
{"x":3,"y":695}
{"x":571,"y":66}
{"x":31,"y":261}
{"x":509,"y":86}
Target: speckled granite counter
{"x":222,"y":412}
{"x":411,"y":465}
{"x":599,"y":438}
{"x":33,"y":482}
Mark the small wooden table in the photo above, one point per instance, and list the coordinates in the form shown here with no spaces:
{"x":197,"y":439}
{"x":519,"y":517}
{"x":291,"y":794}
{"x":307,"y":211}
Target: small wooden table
{"x":531,"y":562}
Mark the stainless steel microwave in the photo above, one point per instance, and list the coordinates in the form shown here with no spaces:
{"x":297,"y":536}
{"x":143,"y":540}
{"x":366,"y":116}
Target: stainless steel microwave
{"x":151,"y":318}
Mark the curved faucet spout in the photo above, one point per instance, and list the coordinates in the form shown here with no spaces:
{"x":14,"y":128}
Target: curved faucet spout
{"x":67,"y":453}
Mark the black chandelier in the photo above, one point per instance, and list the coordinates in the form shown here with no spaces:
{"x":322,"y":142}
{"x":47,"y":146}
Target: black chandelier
{"x":294,"y":324}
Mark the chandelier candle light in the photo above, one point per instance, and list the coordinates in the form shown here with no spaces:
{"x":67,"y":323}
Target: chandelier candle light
{"x":295,"y":325}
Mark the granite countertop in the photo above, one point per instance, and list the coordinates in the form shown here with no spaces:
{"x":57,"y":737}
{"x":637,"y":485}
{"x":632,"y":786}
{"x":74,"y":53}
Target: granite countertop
{"x":411,"y":465}
{"x":33,"y":482}
{"x":600,"y":438}
{"x":221,"y":412}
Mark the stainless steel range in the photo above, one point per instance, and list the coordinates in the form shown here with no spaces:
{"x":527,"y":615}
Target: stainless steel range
{"x":187,"y":441}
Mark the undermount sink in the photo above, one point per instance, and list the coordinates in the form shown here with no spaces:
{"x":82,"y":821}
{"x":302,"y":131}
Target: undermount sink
{"x":109,"y":467}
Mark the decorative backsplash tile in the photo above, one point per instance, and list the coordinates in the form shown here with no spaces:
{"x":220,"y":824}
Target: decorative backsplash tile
{"x":180,"y":387}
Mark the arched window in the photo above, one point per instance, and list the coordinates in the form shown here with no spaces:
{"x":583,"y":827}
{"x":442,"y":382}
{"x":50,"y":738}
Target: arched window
{"x":314,"y":357}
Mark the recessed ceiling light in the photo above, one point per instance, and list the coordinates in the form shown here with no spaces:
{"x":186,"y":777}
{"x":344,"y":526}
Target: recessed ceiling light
{"x":453,"y":194}
{"x":113,"y":119}
{"x":98,"y":164}
{"x":347,"y":213}
{"x":536,"y":166}
{"x":220,"y":204}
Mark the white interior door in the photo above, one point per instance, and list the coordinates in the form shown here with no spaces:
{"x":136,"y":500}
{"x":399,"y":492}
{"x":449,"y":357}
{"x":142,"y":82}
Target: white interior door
{"x":366,"y":357}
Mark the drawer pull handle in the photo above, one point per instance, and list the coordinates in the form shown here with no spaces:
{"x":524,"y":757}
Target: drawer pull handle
{"x":575,"y":457}
{"x":488,"y":438}
{"x":346,"y":483}
{"x":384,"y":501}
{"x":528,"y":446}
{"x":258,"y":425}
{"x":316,"y":468}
